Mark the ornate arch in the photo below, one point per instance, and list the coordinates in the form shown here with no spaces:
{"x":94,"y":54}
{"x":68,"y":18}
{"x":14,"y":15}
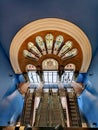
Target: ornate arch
{"x":56,"y":27}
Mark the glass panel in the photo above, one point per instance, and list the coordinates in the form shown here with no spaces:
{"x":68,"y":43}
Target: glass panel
{"x":45,"y":77}
{"x":30,"y":76}
{"x":70,"y":54}
{"x":30,"y":67}
{"x":67,"y":77}
{"x":34,"y":49}
{"x":50,"y":64}
{"x":70,"y":67}
{"x":59,"y":41}
{"x":55,"y":77}
{"x":50,"y":77}
{"x":49,"y":42}
{"x":65,"y":48}
{"x":29,"y":55}
{"x":33,"y":77}
{"x":40,"y":42}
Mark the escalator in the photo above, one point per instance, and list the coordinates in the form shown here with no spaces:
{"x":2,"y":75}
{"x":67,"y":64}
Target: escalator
{"x":49,"y":113}
{"x":27,"y":114}
{"x":73,"y":110}
{"x":58,"y":107}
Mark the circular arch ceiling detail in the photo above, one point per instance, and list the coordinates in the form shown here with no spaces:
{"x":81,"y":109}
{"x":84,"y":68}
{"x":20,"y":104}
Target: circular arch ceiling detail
{"x":56,"y":25}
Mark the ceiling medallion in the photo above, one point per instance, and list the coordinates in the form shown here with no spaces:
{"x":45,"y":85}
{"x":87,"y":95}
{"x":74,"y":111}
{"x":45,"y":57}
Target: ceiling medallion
{"x":49,"y":45}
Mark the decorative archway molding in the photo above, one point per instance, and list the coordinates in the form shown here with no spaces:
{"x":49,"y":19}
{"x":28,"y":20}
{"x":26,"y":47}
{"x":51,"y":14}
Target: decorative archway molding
{"x":50,"y":24}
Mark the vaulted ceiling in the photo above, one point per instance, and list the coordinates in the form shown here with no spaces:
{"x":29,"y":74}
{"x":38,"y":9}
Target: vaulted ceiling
{"x":14,"y":14}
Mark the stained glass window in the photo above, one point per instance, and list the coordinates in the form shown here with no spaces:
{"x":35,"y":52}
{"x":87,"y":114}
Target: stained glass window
{"x":70,"y":67}
{"x":65,"y":48}
{"x":49,"y":42}
{"x":59,"y":41}
{"x":50,"y":45}
{"x":30,"y":67}
{"x":34,"y":49}
{"x":28,"y":54}
{"x":40,"y":42}
{"x":70,"y":54}
{"x":50,"y":64}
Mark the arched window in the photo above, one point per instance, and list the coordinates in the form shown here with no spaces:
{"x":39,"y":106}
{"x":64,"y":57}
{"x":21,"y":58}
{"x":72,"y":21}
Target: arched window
{"x":30,"y":67}
{"x":50,"y":64}
{"x":70,"y":66}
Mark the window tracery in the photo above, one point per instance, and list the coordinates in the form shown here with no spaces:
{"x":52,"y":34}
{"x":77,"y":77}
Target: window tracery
{"x":50,"y":44}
